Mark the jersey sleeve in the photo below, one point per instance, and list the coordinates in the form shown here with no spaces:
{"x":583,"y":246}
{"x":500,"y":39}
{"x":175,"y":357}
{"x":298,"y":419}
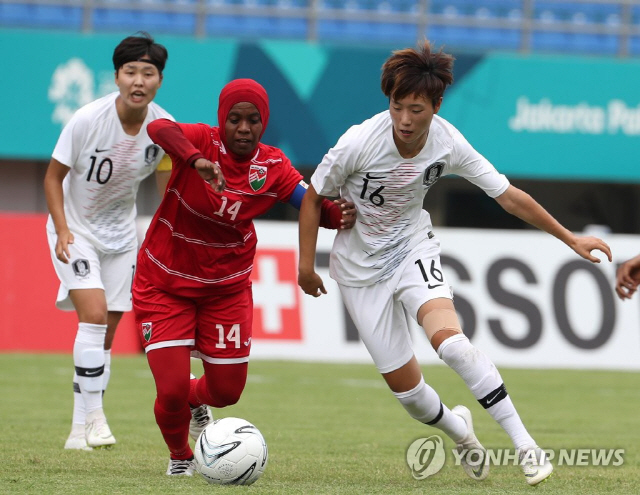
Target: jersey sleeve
{"x":335,"y":167}
{"x":165,"y":164}
{"x":471,"y":165}
{"x":183,"y":142}
{"x":289,"y":180}
{"x":71,"y":140}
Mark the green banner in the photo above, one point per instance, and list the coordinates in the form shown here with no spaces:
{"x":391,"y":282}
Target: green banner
{"x":552,"y":117}
{"x":533,"y":117}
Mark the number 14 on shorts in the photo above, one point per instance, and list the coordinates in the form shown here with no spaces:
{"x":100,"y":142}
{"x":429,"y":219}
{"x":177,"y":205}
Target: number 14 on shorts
{"x":230,"y":338}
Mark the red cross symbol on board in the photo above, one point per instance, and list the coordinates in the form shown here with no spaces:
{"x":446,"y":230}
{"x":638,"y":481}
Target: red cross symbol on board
{"x":276,"y":296}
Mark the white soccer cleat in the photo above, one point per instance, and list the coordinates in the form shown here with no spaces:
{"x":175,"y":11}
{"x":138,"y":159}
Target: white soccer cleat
{"x":473,"y":454}
{"x":201,"y":417}
{"x":77,"y":441}
{"x":181,"y":467}
{"x":97,"y":430}
{"x":535,"y":464}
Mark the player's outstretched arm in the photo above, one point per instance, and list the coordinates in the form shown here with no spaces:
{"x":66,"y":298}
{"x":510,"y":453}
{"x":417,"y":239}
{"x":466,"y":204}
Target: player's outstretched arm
{"x":339,"y":214}
{"x":309,"y":221}
{"x":523,"y":206}
{"x":628,"y":278}
{"x":56,"y":172}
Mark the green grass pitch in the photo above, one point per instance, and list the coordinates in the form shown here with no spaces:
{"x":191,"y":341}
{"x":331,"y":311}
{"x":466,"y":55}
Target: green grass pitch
{"x":330,"y":428}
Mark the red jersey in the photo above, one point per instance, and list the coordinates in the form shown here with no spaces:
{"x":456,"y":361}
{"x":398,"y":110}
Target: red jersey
{"x":201,"y":242}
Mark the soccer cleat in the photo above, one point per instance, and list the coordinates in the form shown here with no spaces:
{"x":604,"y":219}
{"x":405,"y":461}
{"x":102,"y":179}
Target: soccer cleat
{"x":473,"y":454}
{"x":77,"y":441}
{"x":201,"y":417}
{"x":535,"y":464}
{"x":97,"y":430}
{"x":181,"y":467}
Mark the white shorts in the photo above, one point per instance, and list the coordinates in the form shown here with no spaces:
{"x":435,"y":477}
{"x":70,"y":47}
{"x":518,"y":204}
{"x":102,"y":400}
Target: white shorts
{"x":90,"y":268}
{"x":381,"y":312}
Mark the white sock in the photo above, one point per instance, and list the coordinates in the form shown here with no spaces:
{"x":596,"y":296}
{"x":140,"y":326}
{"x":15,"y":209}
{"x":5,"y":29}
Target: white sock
{"x":88,"y":358}
{"x":486,"y":385}
{"x":78,"y":405}
{"x":107,"y":370}
{"x":423,"y":403}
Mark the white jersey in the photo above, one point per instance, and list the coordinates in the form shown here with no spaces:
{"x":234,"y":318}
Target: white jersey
{"x":107,"y":166}
{"x":388,"y":191}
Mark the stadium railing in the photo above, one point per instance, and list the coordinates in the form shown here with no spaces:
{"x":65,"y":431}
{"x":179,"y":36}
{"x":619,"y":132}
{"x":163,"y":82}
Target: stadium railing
{"x":604,"y":27}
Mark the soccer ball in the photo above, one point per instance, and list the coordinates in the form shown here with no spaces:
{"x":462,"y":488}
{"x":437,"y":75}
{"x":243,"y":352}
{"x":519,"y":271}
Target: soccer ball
{"x":231,"y":451}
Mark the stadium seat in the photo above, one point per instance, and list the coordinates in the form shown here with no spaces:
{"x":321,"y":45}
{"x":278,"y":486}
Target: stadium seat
{"x":365,"y":32}
{"x":40,"y":16}
{"x":254,"y":27}
{"x":475,"y":38}
{"x":292,"y":4}
{"x":558,"y":15}
{"x":153,"y":21}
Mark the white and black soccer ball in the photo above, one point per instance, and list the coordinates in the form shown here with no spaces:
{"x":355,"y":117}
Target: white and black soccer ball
{"x":231,"y":451}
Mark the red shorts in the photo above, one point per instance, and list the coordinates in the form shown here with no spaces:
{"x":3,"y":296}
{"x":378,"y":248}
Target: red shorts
{"x":217,"y":328}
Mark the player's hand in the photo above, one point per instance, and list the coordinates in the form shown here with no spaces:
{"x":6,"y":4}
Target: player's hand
{"x":311,"y":284}
{"x":628,"y":278}
{"x":210,"y":172}
{"x":584,"y":245}
{"x":348,"y":210}
{"x":62,"y":246}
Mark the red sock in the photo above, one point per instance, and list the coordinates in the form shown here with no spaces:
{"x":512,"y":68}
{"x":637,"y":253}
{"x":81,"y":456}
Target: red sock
{"x":174,"y":427}
{"x":194,"y":400}
{"x":171,"y":367}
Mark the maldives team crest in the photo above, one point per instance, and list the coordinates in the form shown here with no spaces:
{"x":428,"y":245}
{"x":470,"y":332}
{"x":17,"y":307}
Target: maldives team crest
{"x":257,"y":176}
{"x":146,"y":330}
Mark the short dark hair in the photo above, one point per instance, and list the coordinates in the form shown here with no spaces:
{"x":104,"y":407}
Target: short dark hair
{"x":417,"y":71}
{"x":141,"y":45}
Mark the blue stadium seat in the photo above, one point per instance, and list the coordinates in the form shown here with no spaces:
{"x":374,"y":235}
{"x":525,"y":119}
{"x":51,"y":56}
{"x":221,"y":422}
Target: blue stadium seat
{"x":575,"y":43}
{"x":365,"y":32}
{"x":336,"y":4}
{"x":253,"y":27}
{"x":292,"y":4}
{"x":40,"y":16}
{"x":502,"y":9}
{"x":463,"y":8}
{"x":552,"y":13}
{"x":474,"y":38}
{"x":134,"y":20}
{"x":388,"y":5}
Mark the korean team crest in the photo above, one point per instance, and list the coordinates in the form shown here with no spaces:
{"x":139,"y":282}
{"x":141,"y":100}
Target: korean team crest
{"x":146,"y":330}
{"x":81,"y":268}
{"x":151,"y":153}
{"x":257,"y":177}
{"x":432,"y":174}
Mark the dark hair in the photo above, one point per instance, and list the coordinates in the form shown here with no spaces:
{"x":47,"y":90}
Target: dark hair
{"x":141,"y":45}
{"x":417,"y":72}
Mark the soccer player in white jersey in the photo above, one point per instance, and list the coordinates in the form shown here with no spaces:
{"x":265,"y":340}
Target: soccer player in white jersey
{"x":101,"y":157}
{"x":388,"y":266}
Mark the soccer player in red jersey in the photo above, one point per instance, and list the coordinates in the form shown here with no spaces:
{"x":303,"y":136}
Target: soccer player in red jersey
{"x":191,"y":292}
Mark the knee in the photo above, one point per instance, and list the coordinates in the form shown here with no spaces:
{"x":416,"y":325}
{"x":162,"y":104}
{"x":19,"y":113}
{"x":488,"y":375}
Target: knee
{"x":440,"y":336}
{"x":439,"y":324}
{"x":95,"y":316}
{"x":225,"y":396}
{"x":172,"y":399}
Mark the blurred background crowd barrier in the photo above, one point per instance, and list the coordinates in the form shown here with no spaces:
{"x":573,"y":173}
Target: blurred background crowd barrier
{"x":586,"y":26}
